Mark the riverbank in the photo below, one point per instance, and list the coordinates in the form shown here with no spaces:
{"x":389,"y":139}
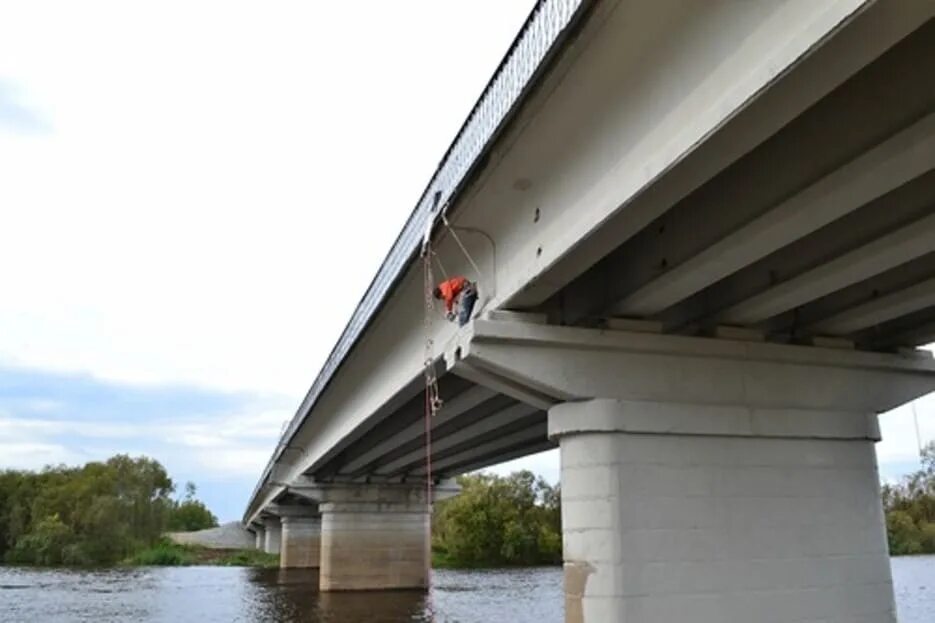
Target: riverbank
{"x":169,"y":554}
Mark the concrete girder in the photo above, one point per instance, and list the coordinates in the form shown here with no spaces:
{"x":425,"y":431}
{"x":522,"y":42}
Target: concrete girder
{"x":884,"y":284}
{"x":889,"y":251}
{"x":907,"y":204}
{"x":502,"y":385}
{"x":650,"y":179}
{"x":476,"y":429}
{"x":922,"y":334}
{"x":450,"y":410}
{"x":587,"y":363}
{"x":531,"y":437}
{"x":656,"y":151}
{"x":893,"y":305}
{"x":501,"y":456}
{"x":904,"y":157}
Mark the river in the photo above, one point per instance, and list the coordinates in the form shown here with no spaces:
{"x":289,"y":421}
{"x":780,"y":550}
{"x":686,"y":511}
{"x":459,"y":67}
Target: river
{"x":229,"y":594}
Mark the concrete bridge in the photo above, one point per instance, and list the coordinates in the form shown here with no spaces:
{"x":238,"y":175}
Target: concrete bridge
{"x":705,"y":233}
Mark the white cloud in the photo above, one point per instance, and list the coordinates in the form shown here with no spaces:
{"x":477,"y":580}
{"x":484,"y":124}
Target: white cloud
{"x":223,"y":178}
{"x":33,"y":456}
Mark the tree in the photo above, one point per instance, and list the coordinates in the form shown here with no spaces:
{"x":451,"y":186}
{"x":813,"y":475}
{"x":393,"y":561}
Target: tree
{"x":910,"y":509}
{"x":190,"y":514}
{"x":96,"y":514}
{"x":500,"y":521}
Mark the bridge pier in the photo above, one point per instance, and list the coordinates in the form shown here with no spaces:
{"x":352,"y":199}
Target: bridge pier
{"x":709,"y":479}
{"x":272,"y":534}
{"x":677,"y":512}
{"x":260,"y":535}
{"x":374,"y":537}
{"x":301,"y":538}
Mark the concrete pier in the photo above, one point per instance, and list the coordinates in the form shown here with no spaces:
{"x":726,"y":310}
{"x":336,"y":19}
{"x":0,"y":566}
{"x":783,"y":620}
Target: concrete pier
{"x":301,"y":541}
{"x":709,"y":479}
{"x":701,"y":516}
{"x":374,"y":538}
{"x":260,"y":535}
{"x":272,"y":534}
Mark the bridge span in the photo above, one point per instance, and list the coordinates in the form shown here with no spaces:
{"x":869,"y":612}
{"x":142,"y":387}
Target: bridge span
{"x":705,"y":233}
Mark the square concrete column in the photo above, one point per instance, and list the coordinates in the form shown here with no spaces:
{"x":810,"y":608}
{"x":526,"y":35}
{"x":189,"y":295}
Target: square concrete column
{"x":374,"y":537}
{"x":260,"y":534}
{"x":705,"y":513}
{"x":301,"y":541}
{"x":273,"y":534}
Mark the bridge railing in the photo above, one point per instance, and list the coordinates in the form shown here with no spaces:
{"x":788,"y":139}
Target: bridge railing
{"x":539,"y":36}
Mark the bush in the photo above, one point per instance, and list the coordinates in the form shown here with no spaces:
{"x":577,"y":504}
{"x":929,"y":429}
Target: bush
{"x":499,"y":521}
{"x":100,"y":513}
{"x":910,"y":509}
{"x":163,"y":554}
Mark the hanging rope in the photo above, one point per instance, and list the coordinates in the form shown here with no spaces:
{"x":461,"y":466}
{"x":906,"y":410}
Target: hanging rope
{"x":433,"y":401}
{"x":464,"y":250}
{"x":441,"y":267}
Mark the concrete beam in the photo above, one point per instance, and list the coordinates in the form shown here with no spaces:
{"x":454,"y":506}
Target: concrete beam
{"x":692,"y":369}
{"x":878,"y":311}
{"x":898,"y":247}
{"x":499,"y":456}
{"x":450,"y":410}
{"x":531,"y":437}
{"x":497,"y":383}
{"x":905,"y":156}
{"x":477,"y":429}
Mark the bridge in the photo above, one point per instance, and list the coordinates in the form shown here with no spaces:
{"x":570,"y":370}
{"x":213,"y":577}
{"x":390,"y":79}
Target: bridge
{"x":704,"y":234}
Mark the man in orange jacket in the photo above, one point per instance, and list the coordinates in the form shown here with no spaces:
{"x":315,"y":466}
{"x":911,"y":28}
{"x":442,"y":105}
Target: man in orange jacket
{"x":461,"y":290}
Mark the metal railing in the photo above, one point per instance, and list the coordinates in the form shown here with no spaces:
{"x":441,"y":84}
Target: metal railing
{"x":539,"y":34}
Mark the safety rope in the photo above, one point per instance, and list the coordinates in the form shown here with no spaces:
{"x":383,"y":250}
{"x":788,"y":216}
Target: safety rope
{"x":464,"y":250}
{"x":433,"y":400}
{"x":441,"y":267}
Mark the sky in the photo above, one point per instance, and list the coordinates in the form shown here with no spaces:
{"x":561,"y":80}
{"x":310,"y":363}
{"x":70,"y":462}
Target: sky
{"x":194,"y":195}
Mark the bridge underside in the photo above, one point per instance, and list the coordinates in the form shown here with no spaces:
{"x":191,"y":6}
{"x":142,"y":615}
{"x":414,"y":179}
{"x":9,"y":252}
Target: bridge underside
{"x":824,"y":229}
{"x":702,"y":279}
{"x":476,"y":427}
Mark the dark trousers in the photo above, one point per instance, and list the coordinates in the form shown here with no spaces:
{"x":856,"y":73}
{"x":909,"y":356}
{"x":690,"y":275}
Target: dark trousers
{"x":468,"y":299}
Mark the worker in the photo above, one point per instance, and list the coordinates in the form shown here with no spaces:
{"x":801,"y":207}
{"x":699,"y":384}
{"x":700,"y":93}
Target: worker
{"x":461,"y":290}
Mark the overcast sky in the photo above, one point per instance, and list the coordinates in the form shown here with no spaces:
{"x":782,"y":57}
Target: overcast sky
{"x":193,"y":198}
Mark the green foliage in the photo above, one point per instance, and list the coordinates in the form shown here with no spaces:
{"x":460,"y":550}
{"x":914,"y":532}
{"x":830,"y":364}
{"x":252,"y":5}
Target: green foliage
{"x":163,"y":554}
{"x":499,"y":521}
{"x":248,"y":558}
{"x":190,"y":514}
{"x":910,"y":509}
{"x":167,"y":554}
{"x":96,"y":514}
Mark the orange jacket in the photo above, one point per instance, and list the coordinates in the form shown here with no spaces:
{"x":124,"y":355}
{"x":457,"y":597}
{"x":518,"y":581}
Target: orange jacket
{"x":450,"y":290}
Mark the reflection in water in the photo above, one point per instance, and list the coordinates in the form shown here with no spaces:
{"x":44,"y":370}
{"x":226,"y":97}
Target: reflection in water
{"x":382,"y":607}
{"x":225,"y":594}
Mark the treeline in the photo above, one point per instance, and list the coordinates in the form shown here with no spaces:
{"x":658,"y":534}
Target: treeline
{"x":497,"y":521}
{"x":910,"y":509}
{"x":100,"y":513}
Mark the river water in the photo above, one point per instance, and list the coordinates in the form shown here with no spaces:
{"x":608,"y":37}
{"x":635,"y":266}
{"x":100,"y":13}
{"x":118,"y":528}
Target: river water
{"x":228,"y":594}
